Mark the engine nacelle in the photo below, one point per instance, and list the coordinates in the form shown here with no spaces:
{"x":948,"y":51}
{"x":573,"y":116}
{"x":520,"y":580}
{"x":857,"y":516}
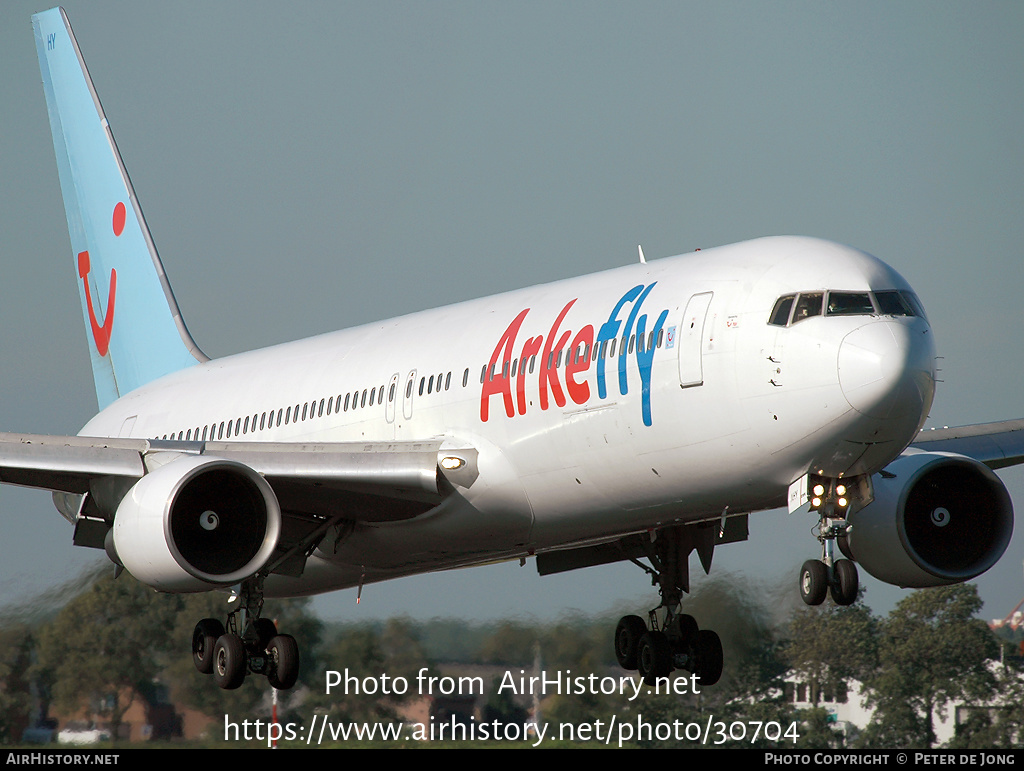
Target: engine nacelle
{"x":197,"y":523}
{"x":936,"y":519}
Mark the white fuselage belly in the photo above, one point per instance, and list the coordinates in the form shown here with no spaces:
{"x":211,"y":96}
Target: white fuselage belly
{"x":726,"y":413}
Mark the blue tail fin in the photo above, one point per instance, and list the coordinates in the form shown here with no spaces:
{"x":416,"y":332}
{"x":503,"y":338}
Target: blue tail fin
{"x":135,"y":330}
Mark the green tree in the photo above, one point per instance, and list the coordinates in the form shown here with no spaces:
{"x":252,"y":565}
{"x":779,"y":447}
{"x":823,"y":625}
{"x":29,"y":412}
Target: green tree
{"x":932,"y":650}
{"x":107,"y":646}
{"x":510,"y":644}
{"x":364,"y":656}
{"x":830,"y":646}
{"x":16,"y":641}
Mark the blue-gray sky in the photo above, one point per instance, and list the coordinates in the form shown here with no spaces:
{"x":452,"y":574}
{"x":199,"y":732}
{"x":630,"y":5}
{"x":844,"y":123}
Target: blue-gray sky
{"x":311,"y":166}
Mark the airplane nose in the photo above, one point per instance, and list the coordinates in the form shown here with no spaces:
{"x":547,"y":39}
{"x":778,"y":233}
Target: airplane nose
{"x":887,"y":370}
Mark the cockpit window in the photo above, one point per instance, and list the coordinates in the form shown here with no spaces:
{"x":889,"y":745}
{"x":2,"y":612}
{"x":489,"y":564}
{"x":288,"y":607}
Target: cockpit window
{"x":780,"y":313}
{"x":808,"y":304}
{"x":893,"y":304}
{"x":899,"y":303}
{"x":791,"y":308}
{"x":850,"y":304}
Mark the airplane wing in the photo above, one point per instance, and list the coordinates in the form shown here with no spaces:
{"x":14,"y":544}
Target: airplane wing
{"x":997,"y":445}
{"x":316,"y":485}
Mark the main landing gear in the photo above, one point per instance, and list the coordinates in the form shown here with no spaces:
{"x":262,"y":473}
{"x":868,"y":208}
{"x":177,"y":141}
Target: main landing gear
{"x":828,"y":575}
{"x":246,"y":644}
{"x":654,"y":648}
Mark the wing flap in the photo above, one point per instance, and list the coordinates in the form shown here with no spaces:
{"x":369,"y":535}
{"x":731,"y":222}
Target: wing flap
{"x":67,"y":463}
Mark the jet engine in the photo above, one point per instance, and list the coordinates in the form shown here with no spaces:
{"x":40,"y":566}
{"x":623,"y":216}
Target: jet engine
{"x":936,"y":519}
{"x":196,"y":523}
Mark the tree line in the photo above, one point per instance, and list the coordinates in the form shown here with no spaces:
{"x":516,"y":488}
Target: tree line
{"x":114,"y":641}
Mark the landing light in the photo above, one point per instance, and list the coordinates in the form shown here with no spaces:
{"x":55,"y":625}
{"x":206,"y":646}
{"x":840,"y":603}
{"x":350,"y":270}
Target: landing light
{"x":819,"y":490}
{"x":450,"y":463}
{"x":841,"y":490}
{"x":842,"y":503}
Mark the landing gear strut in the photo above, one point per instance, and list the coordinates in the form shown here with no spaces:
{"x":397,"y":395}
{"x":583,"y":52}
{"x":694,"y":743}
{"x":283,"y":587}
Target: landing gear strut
{"x":828,"y":575}
{"x":246,"y":644}
{"x":655,"y":648}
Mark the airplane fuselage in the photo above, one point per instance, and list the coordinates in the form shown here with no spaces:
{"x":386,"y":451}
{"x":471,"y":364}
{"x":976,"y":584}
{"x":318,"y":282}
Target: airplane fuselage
{"x":650,"y":394}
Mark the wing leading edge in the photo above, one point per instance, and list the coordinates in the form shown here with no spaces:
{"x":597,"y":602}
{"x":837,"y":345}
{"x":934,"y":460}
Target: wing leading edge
{"x":997,"y":445}
{"x":316,"y":485}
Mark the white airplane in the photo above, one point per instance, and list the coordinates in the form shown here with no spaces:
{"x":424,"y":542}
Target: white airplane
{"x":641,"y":412}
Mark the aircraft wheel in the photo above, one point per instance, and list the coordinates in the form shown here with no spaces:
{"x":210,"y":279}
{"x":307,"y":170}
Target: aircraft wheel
{"x":229,"y":661}
{"x":266,"y":631}
{"x":813,"y":582}
{"x":684,"y":633}
{"x":709,"y":657}
{"x":204,"y":638}
{"x":654,"y":658}
{"x":844,"y":590}
{"x":627,"y":640}
{"x":284,"y":662}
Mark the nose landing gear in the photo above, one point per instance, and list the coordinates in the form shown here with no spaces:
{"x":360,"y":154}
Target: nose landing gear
{"x":828,"y":575}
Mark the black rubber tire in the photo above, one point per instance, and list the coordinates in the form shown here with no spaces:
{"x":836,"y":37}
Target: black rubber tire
{"x":654,"y":657}
{"x":204,"y":638}
{"x":627,"y":640}
{"x":709,"y":657}
{"x":813,"y":582}
{"x":229,"y":661}
{"x":844,"y":589}
{"x":266,"y":630}
{"x":685,"y":630}
{"x":284,"y":662}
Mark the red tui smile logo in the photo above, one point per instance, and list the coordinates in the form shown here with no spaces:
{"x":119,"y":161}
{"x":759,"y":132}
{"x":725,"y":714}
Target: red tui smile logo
{"x":101,"y":330}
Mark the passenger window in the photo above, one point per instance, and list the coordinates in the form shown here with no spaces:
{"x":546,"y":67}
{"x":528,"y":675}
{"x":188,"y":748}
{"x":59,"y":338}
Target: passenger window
{"x":808,"y":305}
{"x":447,"y":381}
{"x":465,"y":378}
